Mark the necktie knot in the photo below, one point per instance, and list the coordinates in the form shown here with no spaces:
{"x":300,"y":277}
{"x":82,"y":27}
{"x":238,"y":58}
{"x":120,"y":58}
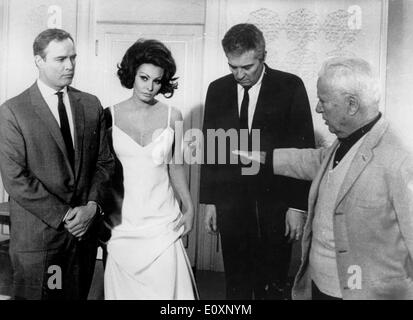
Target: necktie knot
{"x":246,"y":89}
{"x":59,"y":94}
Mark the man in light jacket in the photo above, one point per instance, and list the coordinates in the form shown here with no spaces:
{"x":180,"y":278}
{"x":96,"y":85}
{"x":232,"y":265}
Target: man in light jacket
{"x":358,"y":237}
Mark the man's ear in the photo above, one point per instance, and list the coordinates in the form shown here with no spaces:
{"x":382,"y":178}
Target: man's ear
{"x":353,"y":105}
{"x":264,"y":56}
{"x":38,"y":60}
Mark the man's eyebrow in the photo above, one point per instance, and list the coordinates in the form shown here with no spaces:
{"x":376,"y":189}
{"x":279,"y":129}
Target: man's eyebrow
{"x":64,"y":57}
{"x":244,"y":66}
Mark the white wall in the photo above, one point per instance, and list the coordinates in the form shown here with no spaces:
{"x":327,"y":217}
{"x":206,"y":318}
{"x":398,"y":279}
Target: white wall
{"x":165,"y":11}
{"x":399,"y":97}
{"x":26,"y":19}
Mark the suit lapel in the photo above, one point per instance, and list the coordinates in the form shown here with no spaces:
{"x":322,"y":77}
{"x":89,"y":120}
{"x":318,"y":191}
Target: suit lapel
{"x":43,"y":111}
{"x":264,"y":92}
{"x":233,"y":103}
{"x":78,"y":125}
{"x":362,"y":158}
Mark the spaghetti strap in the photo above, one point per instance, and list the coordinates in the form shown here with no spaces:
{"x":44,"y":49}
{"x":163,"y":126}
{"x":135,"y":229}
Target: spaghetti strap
{"x":169,"y":115}
{"x":112,"y":111}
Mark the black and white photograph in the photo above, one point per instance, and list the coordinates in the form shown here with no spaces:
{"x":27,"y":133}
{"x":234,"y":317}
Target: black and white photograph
{"x":228,"y":151}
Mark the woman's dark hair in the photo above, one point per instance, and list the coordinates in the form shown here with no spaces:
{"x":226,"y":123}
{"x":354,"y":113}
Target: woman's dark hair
{"x":153,"y":52}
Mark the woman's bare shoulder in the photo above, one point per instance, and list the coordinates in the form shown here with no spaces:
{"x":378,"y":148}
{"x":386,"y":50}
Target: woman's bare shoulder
{"x":122,"y":106}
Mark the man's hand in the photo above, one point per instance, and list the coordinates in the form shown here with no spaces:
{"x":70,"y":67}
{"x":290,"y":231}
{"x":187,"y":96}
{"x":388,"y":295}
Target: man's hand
{"x":294,"y":223}
{"x":210,"y":220}
{"x":190,"y":146}
{"x":256,"y":156}
{"x":69,"y":215}
{"x":187,"y":220}
{"x":80,"y":218}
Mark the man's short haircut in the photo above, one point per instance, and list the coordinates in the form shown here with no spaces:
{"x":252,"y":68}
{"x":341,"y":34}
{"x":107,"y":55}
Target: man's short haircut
{"x":152,"y":52}
{"x":244,"y":37}
{"x":45,"y":37}
{"x":353,"y":76}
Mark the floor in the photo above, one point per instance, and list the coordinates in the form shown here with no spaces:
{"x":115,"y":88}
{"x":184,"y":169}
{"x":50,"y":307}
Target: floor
{"x":211,"y":285}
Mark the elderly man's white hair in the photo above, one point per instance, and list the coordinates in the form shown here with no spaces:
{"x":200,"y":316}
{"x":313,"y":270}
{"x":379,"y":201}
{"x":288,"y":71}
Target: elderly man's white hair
{"x":353,"y":76}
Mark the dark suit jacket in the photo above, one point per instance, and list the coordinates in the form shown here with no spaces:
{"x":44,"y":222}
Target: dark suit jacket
{"x":284,"y":119}
{"x":114,"y":199}
{"x":36,"y":171}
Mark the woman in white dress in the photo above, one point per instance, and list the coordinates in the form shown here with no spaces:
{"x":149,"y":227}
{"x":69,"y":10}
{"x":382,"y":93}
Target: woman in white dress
{"x":146,"y":257}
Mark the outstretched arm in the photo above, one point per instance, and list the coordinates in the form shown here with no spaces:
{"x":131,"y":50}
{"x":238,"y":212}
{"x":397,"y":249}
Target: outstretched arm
{"x":296,"y":163}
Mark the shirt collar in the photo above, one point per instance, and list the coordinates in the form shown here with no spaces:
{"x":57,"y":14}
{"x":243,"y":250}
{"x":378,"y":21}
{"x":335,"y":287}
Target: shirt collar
{"x":356,"y":135}
{"x":46,"y":91}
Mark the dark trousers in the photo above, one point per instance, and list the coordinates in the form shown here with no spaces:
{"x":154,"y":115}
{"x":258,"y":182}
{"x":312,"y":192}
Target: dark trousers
{"x":318,"y":295}
{"x":64,"y":273}
{"x":255,"y":252}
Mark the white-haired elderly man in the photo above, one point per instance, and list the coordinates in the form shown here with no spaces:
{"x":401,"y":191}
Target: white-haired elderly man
{"x":358,"y":238}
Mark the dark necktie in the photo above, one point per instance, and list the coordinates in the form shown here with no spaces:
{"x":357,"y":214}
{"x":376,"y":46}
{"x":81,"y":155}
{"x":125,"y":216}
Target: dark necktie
{"x":243,"y":118}
{"x":243,"y":121}
{"x":65,"y":128}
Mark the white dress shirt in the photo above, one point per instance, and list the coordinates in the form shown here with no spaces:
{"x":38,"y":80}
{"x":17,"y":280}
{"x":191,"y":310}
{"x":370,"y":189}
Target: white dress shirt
{"x":253,"y":94}
{"x":52,"y":101}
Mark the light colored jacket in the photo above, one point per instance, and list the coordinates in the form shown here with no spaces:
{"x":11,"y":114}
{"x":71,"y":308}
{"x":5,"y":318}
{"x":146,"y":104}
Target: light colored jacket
{"x":373,"y":219}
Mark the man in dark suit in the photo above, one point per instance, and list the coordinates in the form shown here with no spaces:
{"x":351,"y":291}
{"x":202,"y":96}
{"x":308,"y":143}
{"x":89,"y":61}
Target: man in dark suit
{"x":257,"y":215}
{"x":55,"y":164}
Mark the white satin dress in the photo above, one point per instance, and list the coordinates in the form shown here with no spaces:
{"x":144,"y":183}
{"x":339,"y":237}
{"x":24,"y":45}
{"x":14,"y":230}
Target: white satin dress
{"x":146,"y":257}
